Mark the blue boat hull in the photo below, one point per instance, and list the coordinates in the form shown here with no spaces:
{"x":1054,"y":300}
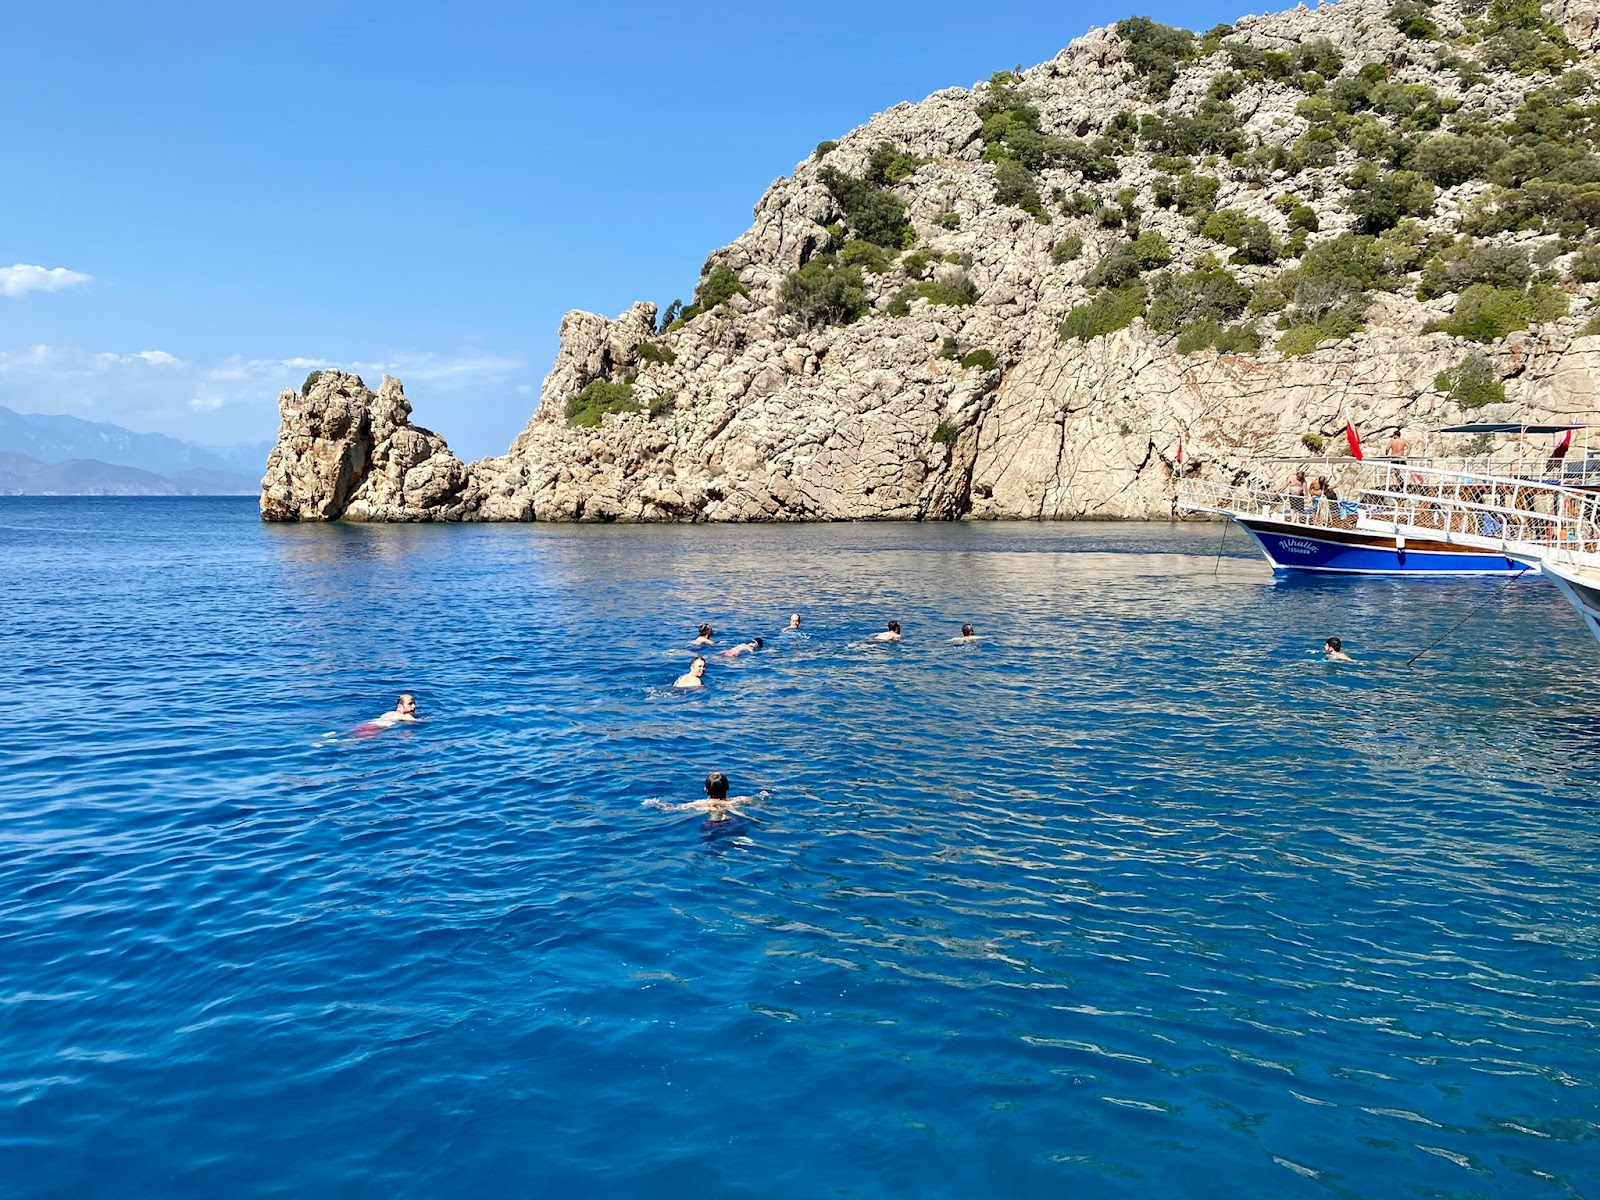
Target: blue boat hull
{"x":1290,"y":548}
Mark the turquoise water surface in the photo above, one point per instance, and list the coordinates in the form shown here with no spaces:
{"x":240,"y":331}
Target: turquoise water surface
{"x":1134,"y":897}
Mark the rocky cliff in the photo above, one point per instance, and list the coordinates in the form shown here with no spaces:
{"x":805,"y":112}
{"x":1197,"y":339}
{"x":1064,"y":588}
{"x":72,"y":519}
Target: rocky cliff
{"x":1015,"y":300}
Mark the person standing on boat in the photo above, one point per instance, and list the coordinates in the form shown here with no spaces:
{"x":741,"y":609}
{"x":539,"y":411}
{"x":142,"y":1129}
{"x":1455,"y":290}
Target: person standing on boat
{"x":1398,"y":446}
{"x":1315,"y":493}
{"x":1295,"y":488}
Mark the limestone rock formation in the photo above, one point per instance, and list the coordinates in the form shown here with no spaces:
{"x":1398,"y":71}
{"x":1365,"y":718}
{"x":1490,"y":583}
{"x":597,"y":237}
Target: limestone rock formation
{"x":1014,"y":300}
{"x":343,"y":451}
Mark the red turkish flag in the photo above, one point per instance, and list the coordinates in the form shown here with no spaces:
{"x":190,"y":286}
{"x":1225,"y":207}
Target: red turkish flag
{"x":1354,"y":438}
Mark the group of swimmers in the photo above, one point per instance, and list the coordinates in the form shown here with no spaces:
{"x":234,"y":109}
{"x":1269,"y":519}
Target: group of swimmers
{"x":695,"y":676}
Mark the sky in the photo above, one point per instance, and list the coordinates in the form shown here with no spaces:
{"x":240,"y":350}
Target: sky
{"x":204,"y":203}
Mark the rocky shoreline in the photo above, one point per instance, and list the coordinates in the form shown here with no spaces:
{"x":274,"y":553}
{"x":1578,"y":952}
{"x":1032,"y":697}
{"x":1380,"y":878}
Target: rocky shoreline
{"x":964,"y":365}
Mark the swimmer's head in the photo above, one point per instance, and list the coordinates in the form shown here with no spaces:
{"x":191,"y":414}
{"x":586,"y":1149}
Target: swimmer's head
{"x":717,"y":786}
{"x":406,"y":704}
{"x":966,"y":631}
{"x":794,"y":620}
{"x":757,"y":643}
{"x":697,"y":666}
{"x":1333,"y":644}
{"x":894,"y":626}
{"x":706,"y":631}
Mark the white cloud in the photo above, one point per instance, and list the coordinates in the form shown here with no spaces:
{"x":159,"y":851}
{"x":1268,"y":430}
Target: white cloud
{"x":157,"y":358}
{"x":23,"y":277}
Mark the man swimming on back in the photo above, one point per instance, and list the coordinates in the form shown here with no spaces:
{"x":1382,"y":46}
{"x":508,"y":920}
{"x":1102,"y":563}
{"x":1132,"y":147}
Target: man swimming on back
{"x":749,"y":647}
{"x":405,"y":709}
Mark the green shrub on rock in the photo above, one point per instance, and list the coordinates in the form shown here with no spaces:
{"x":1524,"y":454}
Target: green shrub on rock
{"x":1127,"y":260}
{"x":1203,"y":295}
{"x":1248,"y":235}
{"x":888,"y":165}
{"x":1326,"y":296}
{"x":1485,"y":313}
{"x":873,"y":212}
{"x":1378,"y":200}
{"x":1471,"y":383}
{"x":1068,"y":249}
{"x":824,"y":149}
{"x":1467,"y":263}
{"x":867,"y":255}
{"x":654,"y":352}
{"x":311,"y":382}
{"x":599,"y":398}
{"x":983,"y":360}
{"x":718,"y":286}
{"x":663,"y":405}
{"x":955,"y":288}
{"x":1414,"y":19}
{"x":1585,"y":265}
{"x":1113,"y":309}
{"x":823,"y":292}
{"x":1155,"y":52}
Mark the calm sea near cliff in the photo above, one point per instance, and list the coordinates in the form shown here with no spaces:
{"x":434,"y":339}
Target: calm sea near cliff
{"x":1136,"y":897}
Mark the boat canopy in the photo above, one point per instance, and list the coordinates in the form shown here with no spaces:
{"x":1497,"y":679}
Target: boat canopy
{"x":1505,"y":427}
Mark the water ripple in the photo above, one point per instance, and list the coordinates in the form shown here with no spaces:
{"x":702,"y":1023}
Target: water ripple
{"x":1136,"y":885}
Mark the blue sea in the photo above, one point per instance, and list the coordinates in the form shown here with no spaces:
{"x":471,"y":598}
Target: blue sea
{"x":1134,"y":897}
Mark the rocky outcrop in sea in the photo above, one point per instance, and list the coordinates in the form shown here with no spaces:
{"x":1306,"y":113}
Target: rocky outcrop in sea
{"x":1017,"y":300}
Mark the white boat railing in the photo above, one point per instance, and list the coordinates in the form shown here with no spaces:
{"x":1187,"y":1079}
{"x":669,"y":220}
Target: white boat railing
{"x":1523,"y":517}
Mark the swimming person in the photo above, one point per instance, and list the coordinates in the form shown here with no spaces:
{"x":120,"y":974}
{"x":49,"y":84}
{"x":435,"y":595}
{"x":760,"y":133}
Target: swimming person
{"x":405,"y":709}
{"x":717,"y":806}
{"x":892,"y":634}
{"x":968,"y":634}
{"x":704,"y":639}
{"x":691,"y":679}
{"x":749,"y":647}
{"x":794,"y":623}
{"x":1333,"y":651}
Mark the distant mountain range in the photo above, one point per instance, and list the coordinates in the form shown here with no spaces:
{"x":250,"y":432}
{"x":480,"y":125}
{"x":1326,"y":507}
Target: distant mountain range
{"x":46,"y":455}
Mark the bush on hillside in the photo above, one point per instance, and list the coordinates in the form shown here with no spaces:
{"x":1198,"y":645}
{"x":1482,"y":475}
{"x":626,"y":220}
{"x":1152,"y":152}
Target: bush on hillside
{"x":1585,"y":265}
{"x":1068,"y":249}
{"x":1467,"y":263}
{"x":1015,"y":185}
{"x":1113,"y":309}
{"x":982,"y":360}
{"x":1414,"y":19}
{"x":599,"y":398}
{"x":1485,"y":313}
{"x":869,"y":256}
{"x":311,"y":382}
{"x":1378,"y":200}
{"x":874,"y":213}
{"x":1448,"y":160}
{"x":1127,"y":260}
{"x":824,"y":293}
{"x":663,"y":405}
{"x":654,"y":352}
{"x":1205,"y":294}
{"x":1155,"y":51}
{"x":956,"y":288}
{"x":1471,"y":383}
{"x":718,"y":286}
{"x":824,"y":149}
{"x":888,"y":165}
{"x":1248,"y":235}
